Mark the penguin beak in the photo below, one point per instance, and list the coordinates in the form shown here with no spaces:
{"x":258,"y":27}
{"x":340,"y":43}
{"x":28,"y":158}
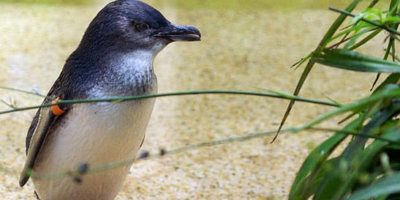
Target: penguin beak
{"x":175,"y":32}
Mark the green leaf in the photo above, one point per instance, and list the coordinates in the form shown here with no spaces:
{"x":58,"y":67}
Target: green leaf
{"x":351,"y":60}
{"x":302,"y":61}
{"x":312,"y":164}
{"x":384,"y":93}
{"x":366,"y":39}
{"x":391,"y":20}
{"x":344,"y":177}
{"x":354,"y":28}
{"x":391,"y":79}
{"x":319,"y":154}
{"x":385,"y":186}
{"x":358,"y":17}
{"x":373,"y":13}
{"x":358,"y":35}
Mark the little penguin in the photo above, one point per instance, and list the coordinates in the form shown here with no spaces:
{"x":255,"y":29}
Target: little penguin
{"x":114,"y":59}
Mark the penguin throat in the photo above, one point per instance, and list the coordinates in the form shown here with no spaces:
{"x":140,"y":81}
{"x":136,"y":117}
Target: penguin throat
{"x":138,"y":63}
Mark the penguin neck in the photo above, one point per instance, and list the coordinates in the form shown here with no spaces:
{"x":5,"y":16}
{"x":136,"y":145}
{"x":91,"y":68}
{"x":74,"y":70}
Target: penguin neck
{"x":137,"y":64}
{"x":131,"y":72}
{"x":112,"y":74}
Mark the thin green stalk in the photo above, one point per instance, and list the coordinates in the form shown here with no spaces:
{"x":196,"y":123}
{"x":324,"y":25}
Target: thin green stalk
{"x":393,"y":51}
{"x":395,"y":57}
{"x":373,"y":3}
{"x":355,"y":133}
{"x":346,"y":32}
{"x":356,"y":36}
{"x":22,"y":91}
{"x":393,"y":5}
{"x":303,"y":60}
{"x":130,"y":98}
{"x":189,"y":147}
{"x":343,"y":40}
{"x":376,"y":97}
{"x":366,"y":39}
{"x":114,"y":165}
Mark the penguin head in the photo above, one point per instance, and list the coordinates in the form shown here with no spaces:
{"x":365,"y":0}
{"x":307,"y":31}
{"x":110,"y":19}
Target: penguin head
{"x":128,"y":25}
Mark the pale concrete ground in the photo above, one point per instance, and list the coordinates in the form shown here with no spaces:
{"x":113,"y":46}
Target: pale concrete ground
{"x":241,"y":50}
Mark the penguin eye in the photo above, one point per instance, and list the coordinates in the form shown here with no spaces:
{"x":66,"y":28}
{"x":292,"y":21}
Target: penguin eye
{"x":142,"y":26}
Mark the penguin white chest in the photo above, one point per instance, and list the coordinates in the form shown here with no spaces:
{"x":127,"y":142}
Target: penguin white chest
{"x":93,"y":134}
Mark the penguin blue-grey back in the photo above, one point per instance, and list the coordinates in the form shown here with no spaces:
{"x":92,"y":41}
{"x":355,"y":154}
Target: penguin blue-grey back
{"x":114,"y":59}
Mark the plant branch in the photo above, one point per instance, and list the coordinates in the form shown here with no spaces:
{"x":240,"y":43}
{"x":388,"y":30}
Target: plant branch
{"x":355,"y":105}
{"x":23,"y":91}
{"x":163,"y":152}
{"x":366,"y":20}
{"x":129,"y":98}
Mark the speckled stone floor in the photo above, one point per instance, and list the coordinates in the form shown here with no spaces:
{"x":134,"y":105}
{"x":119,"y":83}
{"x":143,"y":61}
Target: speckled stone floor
{"x":241,"y":50}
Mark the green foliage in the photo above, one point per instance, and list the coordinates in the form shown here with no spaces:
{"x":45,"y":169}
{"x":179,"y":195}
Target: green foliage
{"x":367,"y":168}
{"x":352,"y":60}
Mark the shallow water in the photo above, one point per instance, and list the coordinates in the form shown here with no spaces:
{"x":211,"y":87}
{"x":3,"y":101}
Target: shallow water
{"x":241,"y":49}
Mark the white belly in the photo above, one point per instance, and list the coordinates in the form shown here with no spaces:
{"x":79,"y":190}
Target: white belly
{"x":95,"y":134}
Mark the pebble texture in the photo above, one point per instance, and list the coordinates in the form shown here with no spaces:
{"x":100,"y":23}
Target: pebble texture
{"x":241,"y":50}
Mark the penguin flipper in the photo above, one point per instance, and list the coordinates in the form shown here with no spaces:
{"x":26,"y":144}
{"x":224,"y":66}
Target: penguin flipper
{"x":36,"y":137}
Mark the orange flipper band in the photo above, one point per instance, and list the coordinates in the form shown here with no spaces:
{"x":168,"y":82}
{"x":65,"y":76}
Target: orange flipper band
{"x":56,"y":109}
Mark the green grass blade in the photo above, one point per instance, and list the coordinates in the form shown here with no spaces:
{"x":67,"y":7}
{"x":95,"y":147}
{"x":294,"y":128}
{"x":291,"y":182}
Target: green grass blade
{"x":373,"y":3}
{"x":311,"y":165}
{"x":391,"y":79}
{"x":351,"y":60}
{"x":289,"y":96}
{"x":385,"y":186}
{"x":393,"y":6}
{"x":318,"y":155}
{"x":366,"y":39}
{"x":379,"y":189}
{"x":345,"y":175}
{"x":357,"y":35}
{"x":302,"y":61}
{"x":387,"y":93}
{"x":354,"y":28}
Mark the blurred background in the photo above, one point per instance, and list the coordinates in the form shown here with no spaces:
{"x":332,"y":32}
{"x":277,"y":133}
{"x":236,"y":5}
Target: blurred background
{"x":246,"y":45}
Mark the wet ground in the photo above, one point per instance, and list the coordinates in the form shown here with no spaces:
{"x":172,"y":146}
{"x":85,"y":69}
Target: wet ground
{"x":242,"y":49}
